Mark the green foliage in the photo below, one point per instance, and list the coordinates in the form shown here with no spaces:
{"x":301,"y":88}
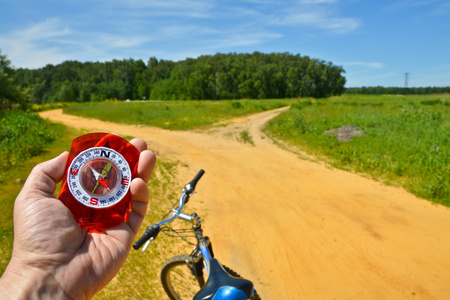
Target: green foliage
{"x":74,"y":81}
{"x":380,"y":90}
{"x":14,"y":175}
{"x":175,"y":115}
{"x":254,"y":76}
{"x":245,"y":137}
{"x":164,"y":187}
{"x":236,"y":104}
{"x":10,"y":95}
{"x":406,"y":140}
{"x":23,"y":135}
{"x":431,"y":102}
{"x":221,"y":76}
{"x":301,"y":104}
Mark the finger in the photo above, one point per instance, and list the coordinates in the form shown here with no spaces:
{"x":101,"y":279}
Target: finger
{"x":140,"y":144}
{"x":147,"y":161}
{"x":139,"y":194}
{"x":126,"y":232}
{"x":46,"y":175}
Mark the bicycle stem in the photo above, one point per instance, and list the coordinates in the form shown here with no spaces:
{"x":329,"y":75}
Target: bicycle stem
{"x":188,"y":191}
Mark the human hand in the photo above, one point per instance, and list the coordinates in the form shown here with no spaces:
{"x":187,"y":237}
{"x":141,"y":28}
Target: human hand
{"x":53,"y":257}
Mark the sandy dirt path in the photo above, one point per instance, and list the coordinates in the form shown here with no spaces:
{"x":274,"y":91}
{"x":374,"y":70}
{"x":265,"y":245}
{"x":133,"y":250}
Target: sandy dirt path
{"x":299,"y":229}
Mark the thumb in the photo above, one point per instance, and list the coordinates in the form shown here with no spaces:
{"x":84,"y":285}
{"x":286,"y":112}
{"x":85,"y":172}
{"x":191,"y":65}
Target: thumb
{"x":44,"y":176}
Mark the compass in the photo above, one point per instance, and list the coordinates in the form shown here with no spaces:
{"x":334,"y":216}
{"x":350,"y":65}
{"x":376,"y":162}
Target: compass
{"x":99,"y":172}
{"x":99,"y":177}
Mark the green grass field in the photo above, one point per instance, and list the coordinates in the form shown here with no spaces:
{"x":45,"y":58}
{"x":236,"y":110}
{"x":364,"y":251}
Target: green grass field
{"x":139,"y":277}
{"x":174,"y":115}
{"x":26,"y":140}
{"x":406,"y":138}
{"x":406,"y":142}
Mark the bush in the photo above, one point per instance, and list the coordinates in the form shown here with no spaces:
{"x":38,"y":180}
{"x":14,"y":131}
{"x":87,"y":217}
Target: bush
{"x":301,"y":105}
{"x":23,"y":135}
{"x":236,"y":104}
{"x":431,"y":102}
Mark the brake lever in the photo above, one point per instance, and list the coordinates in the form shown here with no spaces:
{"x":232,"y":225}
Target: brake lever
{"x":147,"y":244}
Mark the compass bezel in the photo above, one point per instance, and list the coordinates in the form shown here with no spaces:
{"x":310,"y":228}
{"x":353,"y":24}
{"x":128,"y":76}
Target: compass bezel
{"x":78,"y":167}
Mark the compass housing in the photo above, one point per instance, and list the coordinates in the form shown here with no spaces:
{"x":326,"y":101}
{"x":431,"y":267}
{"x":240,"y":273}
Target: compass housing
{"x":96,"y":187}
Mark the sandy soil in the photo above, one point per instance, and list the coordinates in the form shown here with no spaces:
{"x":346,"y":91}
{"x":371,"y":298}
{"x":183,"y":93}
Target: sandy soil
{"x":299,"y":229}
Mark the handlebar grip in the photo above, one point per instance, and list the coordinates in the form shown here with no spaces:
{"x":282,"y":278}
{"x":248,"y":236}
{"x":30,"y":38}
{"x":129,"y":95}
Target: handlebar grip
{"x":151,"y":232}
{"x":197,"y":177}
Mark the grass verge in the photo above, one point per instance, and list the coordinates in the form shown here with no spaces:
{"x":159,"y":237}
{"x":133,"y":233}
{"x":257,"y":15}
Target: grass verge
{"x":406,"y":138}
{"x":139,"y":277}
{"x":173,"y":115}
{"x":246,"y":138}
{"x":23,"y":136}
{"x":14,"y":174}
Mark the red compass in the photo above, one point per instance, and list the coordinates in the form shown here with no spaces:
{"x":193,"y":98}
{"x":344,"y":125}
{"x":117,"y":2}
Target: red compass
{"x":97,"y":180}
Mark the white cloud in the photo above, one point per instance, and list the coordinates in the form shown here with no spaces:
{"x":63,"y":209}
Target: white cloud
{"x":52,"y":42}
{"x":179,"y":31}
{"x":117,"y":41}
{"x":313,"y":14}
{"x":181,"y":8}
{"x":48,"y":29}
{"x":114,"y":28}
{"x":320,"y":20}
{"x":24,"y":47}
{"x":245,"y":39}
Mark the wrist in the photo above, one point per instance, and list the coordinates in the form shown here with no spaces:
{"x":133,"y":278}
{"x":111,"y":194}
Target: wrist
{"x":25,"y":282}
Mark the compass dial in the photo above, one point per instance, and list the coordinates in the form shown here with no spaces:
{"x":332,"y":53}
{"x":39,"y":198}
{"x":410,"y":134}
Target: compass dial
{"x":99,"y":177}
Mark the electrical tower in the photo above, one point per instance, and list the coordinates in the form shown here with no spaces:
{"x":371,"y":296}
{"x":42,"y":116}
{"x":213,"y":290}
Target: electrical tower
{"x":406,"y":79}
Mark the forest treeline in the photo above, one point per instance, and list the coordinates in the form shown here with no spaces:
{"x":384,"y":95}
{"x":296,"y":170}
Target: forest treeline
{"x":220,"y":76}
{"x":380,"y":90}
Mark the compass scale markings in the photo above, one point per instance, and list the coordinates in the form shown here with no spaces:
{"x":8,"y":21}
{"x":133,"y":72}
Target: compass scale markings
{"x":114,"y":177}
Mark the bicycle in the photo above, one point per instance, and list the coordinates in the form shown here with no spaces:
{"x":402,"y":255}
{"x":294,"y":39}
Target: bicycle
{"x":182,"y":276}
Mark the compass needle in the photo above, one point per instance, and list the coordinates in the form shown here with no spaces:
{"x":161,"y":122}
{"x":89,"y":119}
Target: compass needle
{"x":96,"y":174}
{"x":103,"y":182}
{"x":106,"y":169}
{"x":95,"y":187}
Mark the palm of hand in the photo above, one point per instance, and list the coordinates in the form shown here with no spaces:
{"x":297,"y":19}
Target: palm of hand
{"x":49,"y":242}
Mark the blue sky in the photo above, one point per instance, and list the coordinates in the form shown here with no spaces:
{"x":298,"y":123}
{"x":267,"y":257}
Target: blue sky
{"x":376,"y":42}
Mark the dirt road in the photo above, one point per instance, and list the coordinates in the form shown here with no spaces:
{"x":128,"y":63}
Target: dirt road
{"x":299,"y":229}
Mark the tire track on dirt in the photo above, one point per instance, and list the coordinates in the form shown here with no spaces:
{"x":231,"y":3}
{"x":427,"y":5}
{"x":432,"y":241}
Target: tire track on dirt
{"x":297,"y":228}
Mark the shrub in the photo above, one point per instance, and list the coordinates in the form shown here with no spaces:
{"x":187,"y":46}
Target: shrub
{"x":22,"y":136}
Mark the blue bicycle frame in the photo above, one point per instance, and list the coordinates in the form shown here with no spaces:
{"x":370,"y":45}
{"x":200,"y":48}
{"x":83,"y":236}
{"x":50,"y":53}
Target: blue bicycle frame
{"x":220,"y":285}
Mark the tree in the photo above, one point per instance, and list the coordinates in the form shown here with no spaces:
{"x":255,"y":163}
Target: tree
{"x":10,"y":95}
{"x":219,"y":76}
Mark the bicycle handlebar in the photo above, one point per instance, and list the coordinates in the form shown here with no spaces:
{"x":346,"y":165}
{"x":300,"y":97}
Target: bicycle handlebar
{"x":152,"y":231}
{"x":190,"y":187}
{"x":197,"y":177}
